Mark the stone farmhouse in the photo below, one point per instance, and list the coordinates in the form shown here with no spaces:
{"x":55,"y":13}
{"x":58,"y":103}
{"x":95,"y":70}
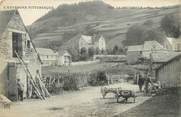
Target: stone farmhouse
{"x":52,"y":58}
{"x":97,"y":42}
{"x":15,"y":42}
{"x":48,"y":56}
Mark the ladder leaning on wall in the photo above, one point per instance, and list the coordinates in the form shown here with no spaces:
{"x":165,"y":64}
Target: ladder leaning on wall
{"x":37,"y":92}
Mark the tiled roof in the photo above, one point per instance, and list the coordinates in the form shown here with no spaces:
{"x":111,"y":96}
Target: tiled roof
{"x":135,"y":48}
{"x":163,"y":57}
{"x":62,"y":52}
{"x":5,"y":17}
{"x":45,"y":51}
{"x":152,"y":45}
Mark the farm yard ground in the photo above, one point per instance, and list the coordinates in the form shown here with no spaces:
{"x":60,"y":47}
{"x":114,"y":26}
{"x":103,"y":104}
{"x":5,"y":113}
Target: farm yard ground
{"x":86,"y":102}
{"x":166,"y":105}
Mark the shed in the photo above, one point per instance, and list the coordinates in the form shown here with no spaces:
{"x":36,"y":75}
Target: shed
{"x":169,"y":73}
{"x":64,"y":58}
{"x":14,"y":38}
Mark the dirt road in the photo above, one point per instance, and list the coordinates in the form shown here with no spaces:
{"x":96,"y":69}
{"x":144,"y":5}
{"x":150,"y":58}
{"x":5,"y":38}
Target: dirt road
{"x":87,"y":102}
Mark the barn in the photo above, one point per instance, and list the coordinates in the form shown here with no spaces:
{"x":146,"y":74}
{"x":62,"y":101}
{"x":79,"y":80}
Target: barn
{"x":169,"y":71}
{"x":15,"y":43}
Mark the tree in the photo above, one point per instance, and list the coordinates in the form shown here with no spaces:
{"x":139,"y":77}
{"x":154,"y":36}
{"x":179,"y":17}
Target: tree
{"x":91,"y":51}
{"x":137,"y":34}
{"x":171,"y":25}
{"x":74,"y":53}
{"x":115,"y":49}
{"x":134,"y":34}
{"x":83,"y":54}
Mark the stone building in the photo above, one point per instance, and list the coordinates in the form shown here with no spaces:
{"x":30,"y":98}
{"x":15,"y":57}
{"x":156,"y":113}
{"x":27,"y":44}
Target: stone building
{"x":48,"y":56}
{"x":14,"y":38}
{"x":97,"y":42}
{"x":64,"y":58}
{"x":169,"y":70}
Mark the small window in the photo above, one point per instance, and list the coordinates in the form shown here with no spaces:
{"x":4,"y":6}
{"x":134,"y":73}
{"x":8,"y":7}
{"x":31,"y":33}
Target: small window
{"x":17,"y":44}
{"x":28,"y":43}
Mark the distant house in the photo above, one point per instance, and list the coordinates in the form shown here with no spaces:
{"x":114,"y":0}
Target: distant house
{"x":134,"y":53}
{"x":169,"y":43}
{"x":85,"y":42}
{"x":15,"y":41}
{"x":174,"y":44}
{"x":151,"y":46}
{"x":48,"y":56}
{"x":97,"y":42}
{"x":64,"y":58}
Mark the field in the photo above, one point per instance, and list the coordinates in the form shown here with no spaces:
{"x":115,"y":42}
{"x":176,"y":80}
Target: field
{"x":77,"y":68}
{"x":167,"y":105}
{"x":61,"y":26}
{"x":116,"y":68}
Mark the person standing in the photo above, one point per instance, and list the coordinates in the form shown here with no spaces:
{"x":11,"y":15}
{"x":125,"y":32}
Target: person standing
{"x":20,"y":88}
{"x":147,"y":82}
{"x":140,"y":82}
{"x":30,"y":88}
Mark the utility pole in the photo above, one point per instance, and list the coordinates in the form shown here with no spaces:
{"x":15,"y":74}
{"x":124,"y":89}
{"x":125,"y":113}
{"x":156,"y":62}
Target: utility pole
{"x":151,"y":63}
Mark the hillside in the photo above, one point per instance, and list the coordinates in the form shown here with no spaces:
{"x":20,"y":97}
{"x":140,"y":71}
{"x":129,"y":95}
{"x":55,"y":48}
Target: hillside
{"x":60,"y":27}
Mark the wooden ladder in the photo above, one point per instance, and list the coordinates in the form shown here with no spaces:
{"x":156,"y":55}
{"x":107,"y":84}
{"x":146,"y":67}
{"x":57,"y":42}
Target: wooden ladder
{"x":31,"y":78}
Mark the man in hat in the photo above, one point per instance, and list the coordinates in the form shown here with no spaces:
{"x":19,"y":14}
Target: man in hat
{"x":20,"y":88}
{"x":140,"y":81}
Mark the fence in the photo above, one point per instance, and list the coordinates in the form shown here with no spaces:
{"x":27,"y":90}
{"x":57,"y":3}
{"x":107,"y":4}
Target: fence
{"x":110,"y":58}
{"x":55,"y":82}
{"x":66,"y":81}
{"x":84,"y":62}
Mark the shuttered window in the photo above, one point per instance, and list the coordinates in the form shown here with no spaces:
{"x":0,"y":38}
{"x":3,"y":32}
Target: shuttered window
{"x":17,"y":44}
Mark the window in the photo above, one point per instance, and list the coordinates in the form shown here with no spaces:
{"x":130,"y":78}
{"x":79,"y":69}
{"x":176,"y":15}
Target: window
{"x":17,"y":44}
{"x":28,"y":43}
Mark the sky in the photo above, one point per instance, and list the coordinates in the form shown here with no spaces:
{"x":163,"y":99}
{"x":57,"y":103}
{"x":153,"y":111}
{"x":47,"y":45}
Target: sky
{"x":31,"y":10}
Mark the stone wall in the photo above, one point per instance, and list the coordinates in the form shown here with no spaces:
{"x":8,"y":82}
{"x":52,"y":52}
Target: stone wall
{"x":11,"y":68}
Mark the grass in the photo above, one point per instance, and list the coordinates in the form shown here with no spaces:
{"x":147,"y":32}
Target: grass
{"x":167,"y":105}
{"x":114,"y":68}
{"x":79,"y":68}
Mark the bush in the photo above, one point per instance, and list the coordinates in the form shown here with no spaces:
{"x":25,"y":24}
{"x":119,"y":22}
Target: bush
{"x":171,"y":25}
{"x":138,"y":34}
{"x":70,"y":83}
{"x":98,"y":78}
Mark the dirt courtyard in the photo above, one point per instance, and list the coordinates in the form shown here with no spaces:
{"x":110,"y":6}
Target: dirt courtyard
{"x":87,"y":102}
